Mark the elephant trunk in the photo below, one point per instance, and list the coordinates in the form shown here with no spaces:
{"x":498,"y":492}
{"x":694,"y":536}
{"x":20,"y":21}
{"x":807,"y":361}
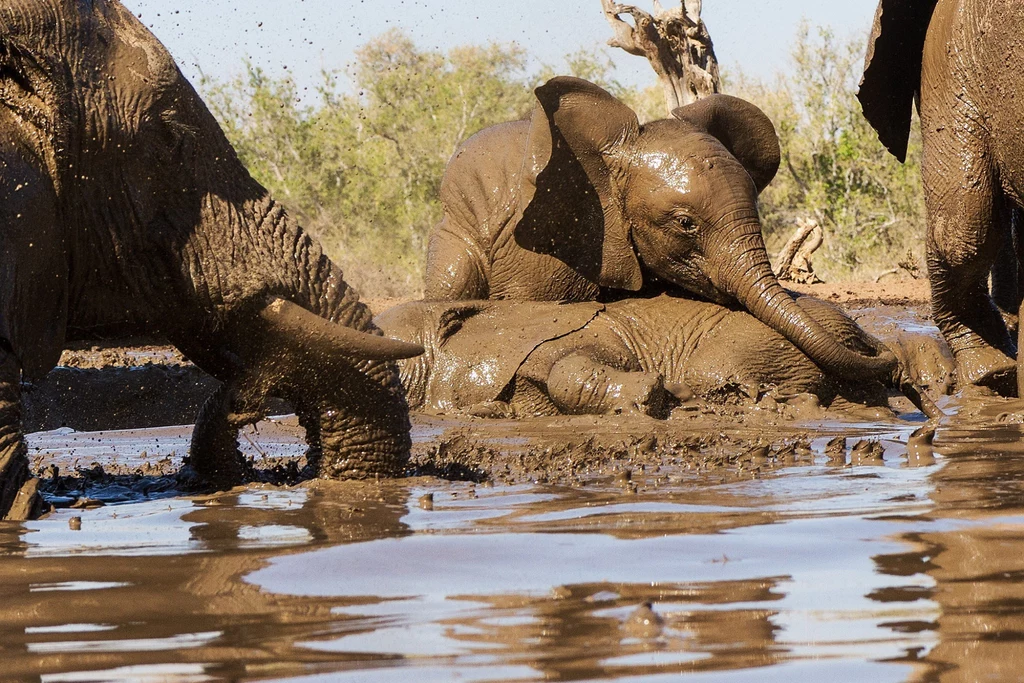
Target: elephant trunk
{"x":357,"y":445}
{"x":747,"y":275}
{"x":346,"y":388}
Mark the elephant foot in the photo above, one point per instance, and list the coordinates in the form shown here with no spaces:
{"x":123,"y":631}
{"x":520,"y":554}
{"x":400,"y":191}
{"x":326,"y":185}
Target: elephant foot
{"x":214,"y":458}
{"x":221,"y":471}
{"x":987,"y":367}
{"x":579,"y":386}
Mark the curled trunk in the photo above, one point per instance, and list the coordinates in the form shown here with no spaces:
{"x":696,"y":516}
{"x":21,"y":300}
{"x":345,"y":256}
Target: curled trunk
{"x":748,"y":277}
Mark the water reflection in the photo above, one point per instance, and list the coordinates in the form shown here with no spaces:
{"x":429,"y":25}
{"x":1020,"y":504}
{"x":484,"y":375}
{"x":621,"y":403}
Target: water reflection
{"x":595,"y":584}
{"x":598,"y":631}
{"x":177,"y":599}
{"x":973,"y":551}
{"x":820,"y":571}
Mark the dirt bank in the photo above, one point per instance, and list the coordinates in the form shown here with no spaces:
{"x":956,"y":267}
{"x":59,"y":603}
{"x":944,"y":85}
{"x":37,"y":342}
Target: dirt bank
{"x":892,"y":291}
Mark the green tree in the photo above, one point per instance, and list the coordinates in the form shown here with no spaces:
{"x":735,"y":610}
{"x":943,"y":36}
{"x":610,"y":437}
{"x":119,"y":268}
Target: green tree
{"x":362,"y":167}
{"x":833,"y":167}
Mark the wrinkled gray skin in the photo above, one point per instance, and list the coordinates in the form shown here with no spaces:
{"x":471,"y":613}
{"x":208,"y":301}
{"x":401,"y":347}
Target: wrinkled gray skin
{"x":633,"y":355}
{"x":125,"y":210}
{"x":962,"y":60}
{"x":581,"y":202}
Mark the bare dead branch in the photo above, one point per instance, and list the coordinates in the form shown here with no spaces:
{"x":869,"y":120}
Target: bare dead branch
{"x":794,"y":261}
{"x":676,"y":43}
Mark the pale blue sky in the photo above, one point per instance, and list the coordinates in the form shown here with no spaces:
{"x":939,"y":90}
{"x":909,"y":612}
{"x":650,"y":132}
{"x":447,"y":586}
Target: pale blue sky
{"x":304,"y":36}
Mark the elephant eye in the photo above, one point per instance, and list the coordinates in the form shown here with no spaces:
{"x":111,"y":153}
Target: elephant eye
{"x":686,"y":224}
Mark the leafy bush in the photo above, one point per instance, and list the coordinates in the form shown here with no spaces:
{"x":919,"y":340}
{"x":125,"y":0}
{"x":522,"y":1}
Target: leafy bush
{"x":361,"y":167}
{"x":833,"y":166}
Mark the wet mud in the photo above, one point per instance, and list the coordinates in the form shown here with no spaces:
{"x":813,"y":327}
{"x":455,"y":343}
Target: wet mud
{"x":731,"y":542}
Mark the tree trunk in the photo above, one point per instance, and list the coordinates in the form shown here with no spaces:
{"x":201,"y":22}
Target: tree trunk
{"x":794,"y":261}
{"x":677,"y":44}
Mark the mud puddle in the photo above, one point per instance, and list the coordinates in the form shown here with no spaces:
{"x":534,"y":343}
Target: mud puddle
{"x":785,"y":564}
{"x":729,"y":546}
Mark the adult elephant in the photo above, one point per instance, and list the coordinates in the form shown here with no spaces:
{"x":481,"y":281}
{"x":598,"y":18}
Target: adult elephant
{"x":581,"y":202}
{"x":124,"y":207}
{"x":633,"y":355}
{"x":961,"y":60}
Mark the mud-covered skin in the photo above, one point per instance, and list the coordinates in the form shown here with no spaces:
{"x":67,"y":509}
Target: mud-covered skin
{"x":125,"y":209}
{"x":961,"y":58}
{"x":635,"y":355}
{"x":581,"y":202}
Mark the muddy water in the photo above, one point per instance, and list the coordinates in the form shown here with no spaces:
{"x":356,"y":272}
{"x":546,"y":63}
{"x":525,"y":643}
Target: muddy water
{"x":899,"y":567}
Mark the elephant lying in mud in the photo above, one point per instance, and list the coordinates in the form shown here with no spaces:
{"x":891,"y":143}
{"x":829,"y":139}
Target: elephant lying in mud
{"x":581,"y":202}
{"x":960,"y":61}
{"x":646,"y":355}
{"x":125,"y":210}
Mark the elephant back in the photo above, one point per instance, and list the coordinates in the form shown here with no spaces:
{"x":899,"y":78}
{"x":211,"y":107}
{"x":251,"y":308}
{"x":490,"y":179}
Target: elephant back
{"x":481,"y":184}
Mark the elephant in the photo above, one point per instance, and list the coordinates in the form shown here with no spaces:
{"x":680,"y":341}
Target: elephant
{"x":959,"y":60}
{"x":126,"y":211}
{"x":582,"y":203}
{"x":525,"y":358}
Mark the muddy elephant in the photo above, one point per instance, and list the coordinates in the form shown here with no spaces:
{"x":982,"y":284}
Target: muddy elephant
{"x":581,"y":202}
{"x":632,"y":355}
{"x":125,"y":209}
{"x":960,"y":60}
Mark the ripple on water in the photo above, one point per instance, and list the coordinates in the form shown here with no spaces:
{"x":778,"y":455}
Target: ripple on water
{"x":818,"y":572}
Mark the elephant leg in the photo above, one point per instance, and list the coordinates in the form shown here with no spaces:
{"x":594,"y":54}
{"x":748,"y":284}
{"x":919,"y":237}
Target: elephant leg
{"x":972,"y":325}
{"x":966,"y":229}
{"x":1018,"y":248}
{"x":579,"y":385}
{"x":1020,"y":341}
{"x":214,"y":454}
{"x":19,"y":496}
{"x":309,"y":420}
{"x":592,"y":371}
{"x":455,"y":269}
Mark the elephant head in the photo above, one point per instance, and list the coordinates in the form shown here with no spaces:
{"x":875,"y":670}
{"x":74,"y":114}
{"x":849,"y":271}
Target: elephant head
{"x":674,"y":200}
{"x":167,"y":234}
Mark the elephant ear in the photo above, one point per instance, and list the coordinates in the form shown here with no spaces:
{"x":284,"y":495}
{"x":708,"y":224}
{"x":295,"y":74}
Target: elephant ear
{"x":476,"y":362}
{"x":577,"y":133}
{"x":892,"y":69}
{"x":745,"y":130}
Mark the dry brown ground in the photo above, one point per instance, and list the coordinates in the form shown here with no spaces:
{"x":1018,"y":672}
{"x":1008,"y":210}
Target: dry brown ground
{"x":893,"y":291}
{"x":889,"y":292}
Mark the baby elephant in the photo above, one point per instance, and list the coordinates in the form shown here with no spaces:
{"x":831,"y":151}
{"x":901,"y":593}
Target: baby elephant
{"x":634,"y":355}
